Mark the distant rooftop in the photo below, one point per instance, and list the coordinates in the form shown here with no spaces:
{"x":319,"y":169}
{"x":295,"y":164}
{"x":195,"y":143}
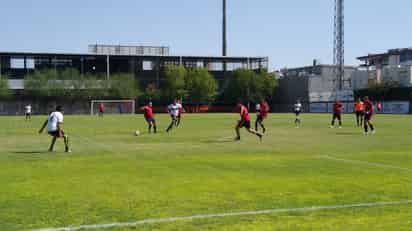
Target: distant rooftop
{"x":396,"y":51}
{"x":101,"y":49}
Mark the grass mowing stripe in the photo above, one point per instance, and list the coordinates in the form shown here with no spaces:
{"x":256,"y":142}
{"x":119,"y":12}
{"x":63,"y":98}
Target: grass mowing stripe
{"x":221,"y":215}
{"x":367,"y":163}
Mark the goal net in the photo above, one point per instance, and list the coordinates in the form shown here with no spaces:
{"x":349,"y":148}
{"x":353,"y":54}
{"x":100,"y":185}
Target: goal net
{"x":112,"y":106}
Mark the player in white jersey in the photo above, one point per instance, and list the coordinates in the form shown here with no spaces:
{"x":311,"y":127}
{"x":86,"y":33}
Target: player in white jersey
{"x":181,"y":110}
{"x":297,"y":108}
{"x":54,"y":125}
{"x":27,"y":110}
{"x":174,"y":111}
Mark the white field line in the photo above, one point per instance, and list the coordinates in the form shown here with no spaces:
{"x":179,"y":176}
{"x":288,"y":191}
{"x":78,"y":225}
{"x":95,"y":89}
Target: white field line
{"x":367,"y":163}
{"x":222,"y":215}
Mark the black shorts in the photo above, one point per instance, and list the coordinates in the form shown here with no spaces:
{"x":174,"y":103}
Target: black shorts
{"x":56,"y":133}
{"x":360,"y":113}
{"x":259,"y":118}
{"x":337,"y":116}
{"x":28,"y":114}
{"x":297,"y":113}
{"x":150,"y":120}
{"x":244,"y":124}
{"x":368,"y":116}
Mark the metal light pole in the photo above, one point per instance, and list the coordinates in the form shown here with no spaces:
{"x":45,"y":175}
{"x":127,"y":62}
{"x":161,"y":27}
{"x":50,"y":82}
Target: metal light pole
{"x":224,"y":45}
{"x":339,"y":44}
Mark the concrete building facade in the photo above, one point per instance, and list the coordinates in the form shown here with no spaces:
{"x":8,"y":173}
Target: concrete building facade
{"x":318,"y":83}
{"x":392,"y":66}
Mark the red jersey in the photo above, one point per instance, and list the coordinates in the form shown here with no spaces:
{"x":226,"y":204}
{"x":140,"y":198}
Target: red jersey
{"x":244,"y":113}
{"x":368,"y":107}
{"x":101,"y":107}
{"x":337,"y":108}
{"x":264,"y":109}
{"x":148,"y":112}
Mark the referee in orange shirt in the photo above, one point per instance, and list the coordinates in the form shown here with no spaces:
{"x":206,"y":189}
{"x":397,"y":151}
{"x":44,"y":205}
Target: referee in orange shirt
{"x":359,"y":111}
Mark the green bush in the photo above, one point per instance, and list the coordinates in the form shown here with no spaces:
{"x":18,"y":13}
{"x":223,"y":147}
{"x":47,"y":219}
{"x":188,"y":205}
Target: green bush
{"x":5,"y":91}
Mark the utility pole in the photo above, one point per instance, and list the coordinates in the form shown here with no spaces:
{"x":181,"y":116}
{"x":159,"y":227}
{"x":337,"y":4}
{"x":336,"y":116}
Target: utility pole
{"x":339,"y":44}
{"x":224,"y":45}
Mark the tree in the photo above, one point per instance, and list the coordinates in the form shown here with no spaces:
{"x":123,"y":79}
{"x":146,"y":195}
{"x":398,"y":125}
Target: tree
{"x":240,"y":86}
{"x":250,"y":86}
{"x":173,"y":85}
{"x":267,"y":84}
{"x":5,"y":91}
{"x":152,"y":92}
{"x":123,"y":86}
{"x":200,"y":86}
{"x":70,"y":84}
{"x":40,"y":83}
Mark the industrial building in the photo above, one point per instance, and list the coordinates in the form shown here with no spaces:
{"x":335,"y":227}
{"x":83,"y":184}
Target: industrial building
{"x":146,"y":63}
{"x":317,"y":83}
{"x":395,"y":65}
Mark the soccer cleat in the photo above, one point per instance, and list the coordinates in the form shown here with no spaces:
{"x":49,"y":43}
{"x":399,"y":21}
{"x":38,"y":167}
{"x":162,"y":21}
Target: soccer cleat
{"x":373,"y":132}
{"x":340,"y":126}
{"x":260,"y":136}
{"x":331,"y":126}
{"x":237,"y":139}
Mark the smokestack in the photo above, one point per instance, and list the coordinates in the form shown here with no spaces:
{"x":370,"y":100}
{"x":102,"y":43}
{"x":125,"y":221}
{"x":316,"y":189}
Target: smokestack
{"x":224,"y":45}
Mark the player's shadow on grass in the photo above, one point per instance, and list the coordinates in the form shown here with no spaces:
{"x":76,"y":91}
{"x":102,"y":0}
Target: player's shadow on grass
{"x":30,"y":152}
{"x":218,"y":141}
{"x":347,"y":133}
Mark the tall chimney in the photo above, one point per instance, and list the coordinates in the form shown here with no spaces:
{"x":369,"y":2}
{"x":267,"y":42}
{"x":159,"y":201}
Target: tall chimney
{"x":224,"y":45}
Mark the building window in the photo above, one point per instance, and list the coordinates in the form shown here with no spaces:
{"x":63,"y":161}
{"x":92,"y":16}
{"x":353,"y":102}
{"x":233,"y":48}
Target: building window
{"x":199,"y":64}
{"x":147,"y":65}
{"x":234,"y":66}
{"x":18,"y":63}
{"x":215,"y":66}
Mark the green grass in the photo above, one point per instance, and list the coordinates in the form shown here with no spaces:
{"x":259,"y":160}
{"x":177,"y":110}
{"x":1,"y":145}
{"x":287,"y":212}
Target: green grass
{"x":113,"y":176}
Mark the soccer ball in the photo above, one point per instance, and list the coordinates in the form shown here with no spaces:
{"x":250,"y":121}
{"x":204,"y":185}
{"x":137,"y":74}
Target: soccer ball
{"x":137,"y":133}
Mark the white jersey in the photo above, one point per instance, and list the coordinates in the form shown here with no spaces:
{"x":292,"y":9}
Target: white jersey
{"x":298,"y":107}
{"x":258,"y":109}
{"x":27,"y":109}
{"x":174,"y":109}
{"x":54,"y":118}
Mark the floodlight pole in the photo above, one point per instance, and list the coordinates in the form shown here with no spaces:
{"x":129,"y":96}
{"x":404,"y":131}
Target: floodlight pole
{"x":339,"y":44}
{"x":224,"y":45}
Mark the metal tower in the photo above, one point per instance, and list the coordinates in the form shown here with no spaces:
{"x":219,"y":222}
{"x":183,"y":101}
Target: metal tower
{"x":224,"y":45}
{"x":339,"y":44}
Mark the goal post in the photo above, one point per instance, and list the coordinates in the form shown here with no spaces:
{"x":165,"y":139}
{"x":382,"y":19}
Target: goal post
{"x":113,"y":106}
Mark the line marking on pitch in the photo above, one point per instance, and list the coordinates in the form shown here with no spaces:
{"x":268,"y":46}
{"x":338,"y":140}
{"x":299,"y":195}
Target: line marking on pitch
{"x":222,"y":215}
{"x":367,"y":163}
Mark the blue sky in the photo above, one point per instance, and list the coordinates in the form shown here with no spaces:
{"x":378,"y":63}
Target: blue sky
{"x":290,"y":32}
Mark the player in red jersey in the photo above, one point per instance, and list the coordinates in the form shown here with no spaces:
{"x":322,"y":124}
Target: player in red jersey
{"x":245,"y":122}
{"x":149,"y":116}
{"x":337,"y":113}
{"x":368,"y":115}
{"x":101,"y":109}
{"x":262,"y":110}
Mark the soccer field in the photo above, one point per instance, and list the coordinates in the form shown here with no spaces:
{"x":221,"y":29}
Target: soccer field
{"x":311,"y":178}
